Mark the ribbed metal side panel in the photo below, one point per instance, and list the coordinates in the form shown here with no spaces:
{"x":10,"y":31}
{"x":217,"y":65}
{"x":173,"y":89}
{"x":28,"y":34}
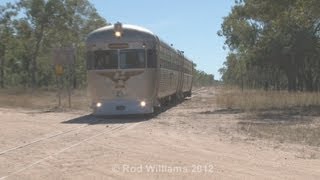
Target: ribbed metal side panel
{"x":187,"y":83}
{"x":168,"y":82}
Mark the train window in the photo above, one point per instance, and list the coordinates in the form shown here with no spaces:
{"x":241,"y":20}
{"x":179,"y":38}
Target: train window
{"x":152,"y":58}
{"x":132,"y":59}
{"x":105,"y":59}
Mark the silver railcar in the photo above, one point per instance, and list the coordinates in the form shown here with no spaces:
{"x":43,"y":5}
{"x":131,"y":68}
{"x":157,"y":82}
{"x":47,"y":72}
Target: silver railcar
{"x":131,"y":71}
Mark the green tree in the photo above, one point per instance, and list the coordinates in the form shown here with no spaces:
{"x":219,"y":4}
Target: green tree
{"x":7,"y":12}
{"x":201,"y":78}
{"x":41,"y":26}
{"x":272,"y":36}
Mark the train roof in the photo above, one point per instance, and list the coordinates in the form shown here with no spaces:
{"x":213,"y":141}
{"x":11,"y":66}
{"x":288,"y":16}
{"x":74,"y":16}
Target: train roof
{"x":125,"y":27}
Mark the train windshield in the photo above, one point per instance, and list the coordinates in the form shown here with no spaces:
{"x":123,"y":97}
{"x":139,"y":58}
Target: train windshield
{"x":130,"y":59}
{"x":114,"y":59}
{"x":105,"y":59}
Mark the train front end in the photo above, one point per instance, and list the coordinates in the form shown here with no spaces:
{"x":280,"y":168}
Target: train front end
{"x":121,"y":70}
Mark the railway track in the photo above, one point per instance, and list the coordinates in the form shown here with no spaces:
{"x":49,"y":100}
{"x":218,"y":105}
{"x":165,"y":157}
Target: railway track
{"x":43,"y":139}
{"x":198,"y":91}
{"x":63,"y":141}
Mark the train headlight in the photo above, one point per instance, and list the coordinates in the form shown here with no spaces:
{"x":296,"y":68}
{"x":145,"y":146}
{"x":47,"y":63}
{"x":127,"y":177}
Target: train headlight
{"x":118,"y":29}
{"x":99,"y":104}
{"x":117,"y":34}
{"x":143,"y":103}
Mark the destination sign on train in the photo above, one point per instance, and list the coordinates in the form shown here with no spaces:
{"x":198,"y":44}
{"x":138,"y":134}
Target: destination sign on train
{"x":118,"y":46}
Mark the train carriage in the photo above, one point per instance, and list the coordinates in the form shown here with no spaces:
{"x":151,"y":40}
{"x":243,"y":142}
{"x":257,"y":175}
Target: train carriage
{"x":131,"y":71}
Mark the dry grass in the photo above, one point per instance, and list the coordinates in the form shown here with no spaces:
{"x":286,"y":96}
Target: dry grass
{"x":301,"y":133}
{"x":251,"y":100}
{"x":42,"y":99}
{"x":281,"y":116}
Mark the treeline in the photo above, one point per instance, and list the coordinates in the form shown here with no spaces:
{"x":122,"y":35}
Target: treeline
{"x":201,"y":78}
{"x":31,"y":29}
{"x":274,"y":44}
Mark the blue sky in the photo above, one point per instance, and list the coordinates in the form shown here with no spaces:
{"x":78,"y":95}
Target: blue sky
{"x":191,"y":26}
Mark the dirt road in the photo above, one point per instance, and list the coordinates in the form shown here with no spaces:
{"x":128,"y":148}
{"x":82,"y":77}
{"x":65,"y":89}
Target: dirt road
{"x":184,"y":142}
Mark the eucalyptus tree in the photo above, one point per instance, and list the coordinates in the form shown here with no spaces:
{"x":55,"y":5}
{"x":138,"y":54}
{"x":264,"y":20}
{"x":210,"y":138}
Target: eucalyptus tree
{"x":7,"y":12}
{"x":46,"y":24}
{"x":283,"y":35}
{"x":39,"y":16}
